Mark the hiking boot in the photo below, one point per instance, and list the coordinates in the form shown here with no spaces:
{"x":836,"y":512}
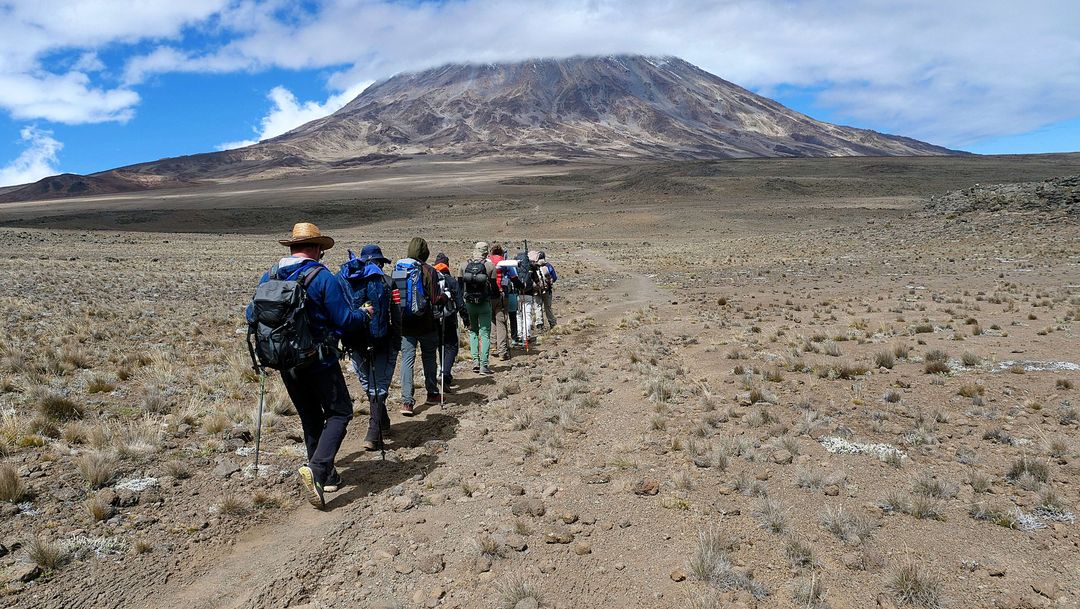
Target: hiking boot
{"x":486,"y":371}
{"x":407,"y":409}
{"x":448,"y":380}
{"x":314,"y":488}
{"x":476,"y":368}
{"x":434,"y":398}
{"x":372,"y":445}
{"x":333,"y":482}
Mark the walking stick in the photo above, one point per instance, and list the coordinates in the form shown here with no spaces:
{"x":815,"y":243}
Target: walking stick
{"x":258,"y":418}
{"x":442,"y":363}
{"x":373,"y":399}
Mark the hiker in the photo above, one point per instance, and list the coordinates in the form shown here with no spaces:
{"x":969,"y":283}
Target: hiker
{"x":546,"y":278}
{"x":373,"y":353}
{"x":500,"y":305}
{"x":448,"y":316}
{"x":479,"y":291}
{"x":418,"y":285}
{"x":304,"y":347}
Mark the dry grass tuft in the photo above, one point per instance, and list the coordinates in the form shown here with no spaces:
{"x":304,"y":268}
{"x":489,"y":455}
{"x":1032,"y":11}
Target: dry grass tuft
{"x":46,"y":554}
{"x":97,"y":468}
{"x":12,"y":488}
{"x":914,"y":586}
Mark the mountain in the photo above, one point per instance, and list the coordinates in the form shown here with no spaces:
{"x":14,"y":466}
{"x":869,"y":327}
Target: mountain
{"x":617,"y":107}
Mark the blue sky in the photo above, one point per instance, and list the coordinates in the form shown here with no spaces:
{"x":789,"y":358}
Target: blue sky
{"x":94,"y":84}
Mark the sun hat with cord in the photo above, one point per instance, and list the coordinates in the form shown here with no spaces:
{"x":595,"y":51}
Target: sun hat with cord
{"x":305,"y":233}
{"x":480,"y":250}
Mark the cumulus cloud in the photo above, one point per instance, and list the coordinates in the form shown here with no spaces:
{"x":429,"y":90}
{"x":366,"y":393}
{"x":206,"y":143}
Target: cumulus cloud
{"x":288,"y":113}
{"x":37,"y":160}
{"x":948,"y":72}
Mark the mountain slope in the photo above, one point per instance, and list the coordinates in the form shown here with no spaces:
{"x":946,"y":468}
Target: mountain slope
{"x":624,"y":106}
{"x":618,"y":107}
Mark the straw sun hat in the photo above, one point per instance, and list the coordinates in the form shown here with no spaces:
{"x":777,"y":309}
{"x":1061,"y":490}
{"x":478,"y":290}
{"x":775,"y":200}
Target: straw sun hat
{"x":306,"y":232}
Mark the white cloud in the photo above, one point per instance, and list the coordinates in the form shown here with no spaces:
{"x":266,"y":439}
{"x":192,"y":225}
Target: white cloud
{"x":64,"y":98}
{"x":37,"y":161}
{"x":288,"y":113}
{"x":951,"y":72}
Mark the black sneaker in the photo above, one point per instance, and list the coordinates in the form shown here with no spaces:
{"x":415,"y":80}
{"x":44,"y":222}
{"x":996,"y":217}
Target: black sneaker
{"x":476,"y":368}
{"x":434,"y":398}
{"x":314,"y":489}
{"x":333,"y":482}
{"x":485,"y":370}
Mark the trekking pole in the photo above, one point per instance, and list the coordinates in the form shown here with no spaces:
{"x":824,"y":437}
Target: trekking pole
{"x":258,"y":418}
{"x":442,"y":363}
{"x":373,"y":399}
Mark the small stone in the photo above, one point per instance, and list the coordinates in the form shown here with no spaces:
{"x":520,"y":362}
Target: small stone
{"x":546,"y":566}
{"x":763,"y":475}
{"x":1046,"y":586}
{"x":646,"y":486}
{"x":619,"y":566}
{"x":386,"y":553}
{"x":558,"y":536}
{"x":782,"y":457}
{"x":516,"y":542}
{"x":431,"y":564}
{"x":23,"y":572}
{"x":581,"y":548}
{"x":996,"y":571}
{"x":403,"y":567}
{"x":527,"y":507}
{"x":851,"y":560}
{"x":516,"y":489}
{"x":832,"y":490}
{"x":226,"y":468}
{"x":569,"y":517}
{"x":482,"y":564}
{"x":624,"y":523}
{"x":678,"y":575}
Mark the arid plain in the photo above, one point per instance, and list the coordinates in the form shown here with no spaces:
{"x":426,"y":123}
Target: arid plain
{"x":775,"y":383}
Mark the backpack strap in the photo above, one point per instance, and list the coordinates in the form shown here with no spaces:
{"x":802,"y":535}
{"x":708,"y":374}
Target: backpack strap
{"x":307,"y":275}
{"x":274,"y":272}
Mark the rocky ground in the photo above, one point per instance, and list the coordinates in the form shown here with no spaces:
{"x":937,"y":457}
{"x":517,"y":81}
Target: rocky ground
{"x":829,"y":401}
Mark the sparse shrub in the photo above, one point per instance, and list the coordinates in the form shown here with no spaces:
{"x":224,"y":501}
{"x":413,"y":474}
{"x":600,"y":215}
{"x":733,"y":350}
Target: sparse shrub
{"x":54,"y":406}
{"x":772,"y":515}
{"x":895,"y":502}
{"x":177,"y":469}
{"x":97,"y":468}
{"x":99,"y":384}
{"x":47,"y":555}
{"x":216,"y":423}
{"x":12,"y":488}
{"x":893,"y":396}
{"x":901,"y":351}
{"x":233,"y":505}
{"x":927,"y":485}
{"x":1058,"y":447}
{"x":970,"y":360}
{"x":98,"y":509}
{"x":757,"y":395}
{"x":486,"y":545}
{"x":927,"y":508}
{"x":141,"y":546}
{"x":153,"y":400}
{"x":799,"y":552}
{"x":846,"y":525}
{"x":265,"y":501}
{"x":809,"y":593}
{"x":979,"y":482}
{"x":970,"y":390}
{"x":75,"y":432}
{"x":710,"y":563}
{"x":517,"y":589}
{"x":658,"y":423}
{"x":937,"y":362}
{"x":1025,"y":465}
{"x":1063,"y":384}
{"x":914,"y":586}
{"x":884,"y":359}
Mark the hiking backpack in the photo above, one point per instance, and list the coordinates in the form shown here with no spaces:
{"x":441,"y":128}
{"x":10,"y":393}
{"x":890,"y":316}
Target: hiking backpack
{"x":279,"y":337}
{"x":409,"y":280}
{"x":526,"y":272}
{"x":367,"y":288}
{"x":476,"y":285}
{"x":449,"y":305}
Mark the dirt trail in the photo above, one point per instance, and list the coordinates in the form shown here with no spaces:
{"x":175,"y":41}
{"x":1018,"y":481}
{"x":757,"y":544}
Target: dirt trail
{"x":265,"y":555}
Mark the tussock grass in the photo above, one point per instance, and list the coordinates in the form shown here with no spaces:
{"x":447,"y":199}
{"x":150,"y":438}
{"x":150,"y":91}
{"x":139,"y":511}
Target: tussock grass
{"x":1038,"y":470}
{"x":97,"y":468}
{"x":912,"y":585}
{"x":516,"y":589}
{"x":55,"y":406}
{"x":46,"y":554}
{"x":12,"y":488}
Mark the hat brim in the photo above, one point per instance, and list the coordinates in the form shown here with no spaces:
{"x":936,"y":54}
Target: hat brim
{"x":323,"y":241}
{"x":375,"y":259}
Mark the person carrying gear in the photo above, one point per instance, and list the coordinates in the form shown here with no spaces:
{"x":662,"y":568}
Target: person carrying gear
{"x":505,"y":280}
{"x":449,"y":314}
{"x":546,"y":278}
{"x":299,"y":312}
{"x":479,"y":291}
{"x":373,"y":351}
{"x":418,"y":285}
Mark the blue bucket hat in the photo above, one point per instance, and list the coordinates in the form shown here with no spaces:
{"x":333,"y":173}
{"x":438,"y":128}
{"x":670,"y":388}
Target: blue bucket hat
{"x":373,"y":253}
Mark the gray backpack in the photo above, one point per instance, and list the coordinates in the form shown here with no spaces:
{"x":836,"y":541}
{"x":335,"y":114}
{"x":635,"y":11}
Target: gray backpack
{"x":280,"y":336}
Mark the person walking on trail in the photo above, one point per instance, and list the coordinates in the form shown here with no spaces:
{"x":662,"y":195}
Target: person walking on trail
{"x":479,"y":291}
{"x":418,"y":285}
{"x":374,"y":352}
{"x":315,"y":383}
{"x":545,"y":290}
{"x":448,"y":316}
{"x":504,"y":279}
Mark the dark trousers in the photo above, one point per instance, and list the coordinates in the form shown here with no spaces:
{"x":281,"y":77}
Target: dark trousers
{"x":383,"y":359}
{"x":449,"y":346}
{"x":325,"y":408}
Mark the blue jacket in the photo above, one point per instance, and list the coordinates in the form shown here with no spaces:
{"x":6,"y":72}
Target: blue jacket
{"x":330,"y":307}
